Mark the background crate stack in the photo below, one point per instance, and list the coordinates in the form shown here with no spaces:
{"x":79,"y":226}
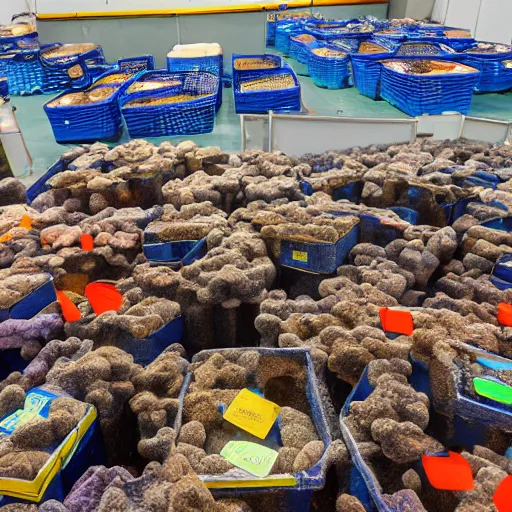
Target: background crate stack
{"x":198,"y":57}
{"x":494,"y":64}
{"x":172,"y":118}
{"x":264,"y":100}
{"x":418,"y":94}
{"x":33,"y":70}
{"x":366,"y":67}
{"x":98,"y":120}
{"x":331,"y":70}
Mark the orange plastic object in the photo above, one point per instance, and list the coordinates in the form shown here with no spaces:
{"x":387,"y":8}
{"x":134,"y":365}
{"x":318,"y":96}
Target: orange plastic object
{"x":396,"y":321}
{"x":503,"y":495}
{"x":6,"y":237}
{"x":87,"y":242}
{"x":103,"y":297}
{"x":26,"y":222}
{"x":505,"y":314}
{"x":451,"y":473}
{"x":69,"y":311}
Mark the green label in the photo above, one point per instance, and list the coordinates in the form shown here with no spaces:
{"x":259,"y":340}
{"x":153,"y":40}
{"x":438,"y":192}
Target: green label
{"x":254,"y":458}
{"x":494,"y":390}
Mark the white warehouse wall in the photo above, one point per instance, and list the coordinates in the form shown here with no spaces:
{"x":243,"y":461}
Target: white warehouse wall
{"x":10,"y":7}
{"x":488,"y":20}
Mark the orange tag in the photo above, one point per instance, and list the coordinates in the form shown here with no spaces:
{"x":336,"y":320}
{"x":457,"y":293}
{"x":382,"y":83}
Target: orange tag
{"x":398,"y":321}
{"x":69,"y":310}
{"x":26,"y":222}
{"x":87,"y":242}
{"x":451,"y":473}
{"x":503,"y":496}
{"x":5,"y":238}
{"x":505,"y":314}
{"x":103,"y":297}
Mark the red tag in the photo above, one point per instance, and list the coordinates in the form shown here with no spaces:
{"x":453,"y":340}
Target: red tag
{"x":393,"y":320}
{"x":503,"y":496}
{"x":448,"y":473}
{"x":505,"y":314}
{"x":103,"y":297}
{"x":87,"y":242}
{"x":69,"y":310}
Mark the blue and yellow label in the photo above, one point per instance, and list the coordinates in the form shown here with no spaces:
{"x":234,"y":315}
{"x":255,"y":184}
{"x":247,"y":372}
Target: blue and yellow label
{"x":37,"y":403}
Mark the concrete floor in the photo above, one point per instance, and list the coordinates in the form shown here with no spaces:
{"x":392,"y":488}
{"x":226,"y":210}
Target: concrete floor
{"x":347,"y":102}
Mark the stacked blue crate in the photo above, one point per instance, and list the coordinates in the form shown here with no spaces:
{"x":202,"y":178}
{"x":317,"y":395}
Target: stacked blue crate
{"x":411,"y":86}
{"x":494,"y":61}
{"x":263,"y":100}
{"x":154,"y":112}
{"x":198,"y":57}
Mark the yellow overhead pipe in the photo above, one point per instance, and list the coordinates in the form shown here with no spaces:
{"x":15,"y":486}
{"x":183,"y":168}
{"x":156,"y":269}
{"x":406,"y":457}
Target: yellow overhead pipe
{"x":203,"y":10}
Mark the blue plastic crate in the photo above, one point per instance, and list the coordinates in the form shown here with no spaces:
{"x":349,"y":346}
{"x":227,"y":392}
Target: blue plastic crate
{"x":271,"y":29}
{"x":11,"y":42}
{"x":41,"y":185}
{"x":30,"y":305}
{"x":137,"y":64}
{"x":322,"y":258}
{"x":175,"y":254}
{"x":502,"y":272}
{"x":146,"y":351}
{"x":30,"y":71}
{"x":417,"y":94}
{"x":330,"y":71}
{"x":82,"y":448}
{"x":363,"y":483}
{"x":495,"y":68}
{"x":284,"y":30}
{"x":408,"y":214}
{"x":299,"y":50}
{"x":212,"y":64}
{"x":261,"y":101}
{"x":297,"y":489}
{"x":169,"y":119}
{"x":459,"y":44}
{"x":92,"y":122}
{"x":472,"y":420}
{"x":366,"y":67}
{"x":4,"y":89}
{"x":376,"y":231}
{"x":502,"y":224}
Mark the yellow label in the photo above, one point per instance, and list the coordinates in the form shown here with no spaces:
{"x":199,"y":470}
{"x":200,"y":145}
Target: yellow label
{"x":300,"y":256}
{"x":252,"y":413}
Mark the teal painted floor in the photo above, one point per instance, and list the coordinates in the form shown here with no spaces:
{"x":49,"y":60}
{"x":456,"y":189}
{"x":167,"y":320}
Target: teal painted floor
{"x":321,"y":102}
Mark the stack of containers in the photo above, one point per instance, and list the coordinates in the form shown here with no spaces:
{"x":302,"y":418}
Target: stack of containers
{"x":368,"y":57}
{"x":4,"y":90}
{"x":286,"y":29}
{"x":458,"y":39}
{"x":198,"y":57}
{"x":329,"y":67}
{"x":18,"y":36}
{"x":52,"y":68}
{"x":161,"y":103}
{"x":366,"y":64}
{"x":94,"y":114}
{"x":420,"y":87}
{"x":264,"y":82}
{"x":300,"y":47}
{"x":494,"y":61}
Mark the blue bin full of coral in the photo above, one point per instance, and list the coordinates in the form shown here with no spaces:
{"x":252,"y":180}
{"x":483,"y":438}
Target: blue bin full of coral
{"x":67,"y":460}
